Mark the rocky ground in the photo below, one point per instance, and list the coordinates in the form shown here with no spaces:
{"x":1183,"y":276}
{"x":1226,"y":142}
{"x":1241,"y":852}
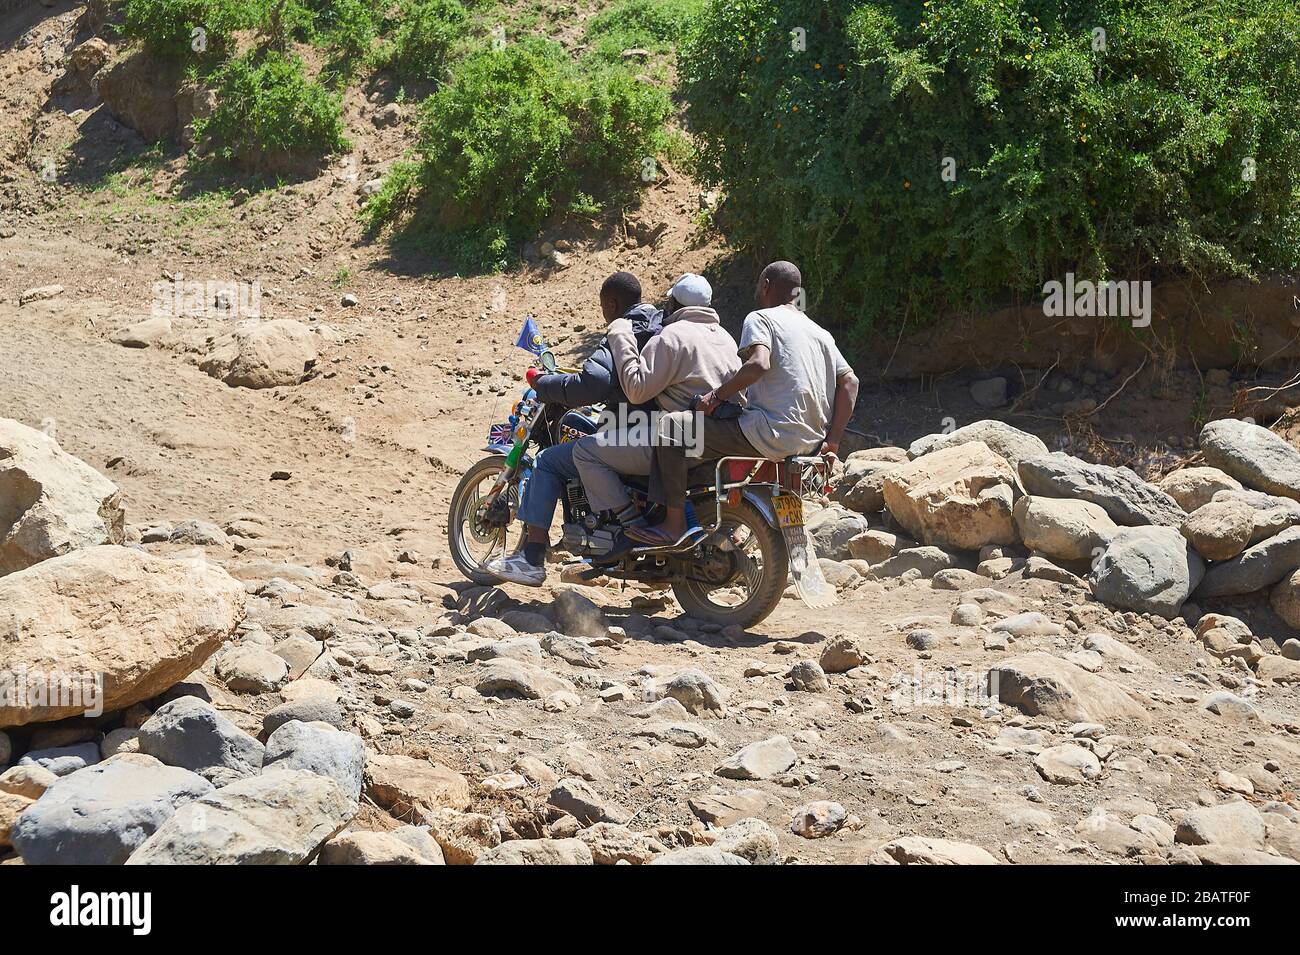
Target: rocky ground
{"x":240,"y":525}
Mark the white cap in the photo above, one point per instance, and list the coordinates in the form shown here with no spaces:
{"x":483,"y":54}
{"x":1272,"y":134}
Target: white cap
{"x":692,"y":289}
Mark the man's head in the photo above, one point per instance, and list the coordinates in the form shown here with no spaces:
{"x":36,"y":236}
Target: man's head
{"x":690,"y":290}
{"x":778,"y":285}
{"x":619,"y":293}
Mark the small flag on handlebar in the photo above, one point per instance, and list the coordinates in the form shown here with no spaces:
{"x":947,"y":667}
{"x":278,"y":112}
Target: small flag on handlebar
{"x":530,"y":337}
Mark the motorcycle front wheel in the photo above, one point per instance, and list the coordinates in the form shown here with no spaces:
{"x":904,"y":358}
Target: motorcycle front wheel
{"x":742,"y":573}
{"x":471,"y":540}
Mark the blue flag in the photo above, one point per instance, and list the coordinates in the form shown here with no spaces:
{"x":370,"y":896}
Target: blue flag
{"x":530,"y":337}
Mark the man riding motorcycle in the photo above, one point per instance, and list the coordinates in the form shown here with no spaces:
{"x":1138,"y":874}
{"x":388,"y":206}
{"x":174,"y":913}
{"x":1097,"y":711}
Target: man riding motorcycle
{"x":800,"y":395}
{"x":693,"y":354}
{"x":597,"y":382}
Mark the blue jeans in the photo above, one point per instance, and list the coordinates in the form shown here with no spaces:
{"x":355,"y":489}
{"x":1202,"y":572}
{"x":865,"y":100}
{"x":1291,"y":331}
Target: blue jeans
{"x":553,"y":469}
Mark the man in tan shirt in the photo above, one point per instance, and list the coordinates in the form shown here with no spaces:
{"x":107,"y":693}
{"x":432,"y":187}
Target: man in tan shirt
{"x":691,"y":356}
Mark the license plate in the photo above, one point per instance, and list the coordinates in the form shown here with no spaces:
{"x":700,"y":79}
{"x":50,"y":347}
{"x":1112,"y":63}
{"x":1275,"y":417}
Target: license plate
{"x":789,"y":510}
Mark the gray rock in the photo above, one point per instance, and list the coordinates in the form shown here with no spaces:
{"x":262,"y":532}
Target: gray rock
{"x":308,"y":709}
{"x":1253,"y":455}
{"x":318,"y":749}
{"x":761,"y":760}
{"x":1041,"y":684}
{"x":281,"y":818}
{"x":1234,"y":824}
{"x":928,"y":560}
{"x":922,"y":639}
{"x":190,"y":733}
{"x":1195,"y":487}
{"x":1257,"y":567}
{"x":63,"y":760}
{"x":6,"y":749}
{"x":584,"y":804}
{"x":832,"y":528}
{"x":1123,"y":495}
{"x":101,"y":814}
{"x":694,"y":690}
{"x":753,"y":840}
{"x":807,"y":675}
{"x":1147,"y":569}
{"x":699,"y":855}
{"x":198,"y":533}
{"x":1010,"y":443}
{"x":513,"y":677}
{"x":537,"y":852}
{"x":578,"y":616}
{"x":249,"y":668}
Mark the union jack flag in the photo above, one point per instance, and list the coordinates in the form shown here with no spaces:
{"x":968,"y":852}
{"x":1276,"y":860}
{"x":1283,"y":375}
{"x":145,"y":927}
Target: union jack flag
{"x":501,"y":434}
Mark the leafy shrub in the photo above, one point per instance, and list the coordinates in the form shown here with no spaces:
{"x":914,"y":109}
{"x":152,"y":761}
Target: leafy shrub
{"x":166,"y":27}
{"x":270,"y":116}
{"x":520,"y":133}
{"x":654,"y":25}
{"x":1111,"y":156}
{"x":424,"y":35}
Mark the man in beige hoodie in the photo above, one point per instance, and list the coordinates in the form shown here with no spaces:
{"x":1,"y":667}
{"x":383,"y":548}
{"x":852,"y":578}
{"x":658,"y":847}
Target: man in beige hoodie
{"x":691,"y":356}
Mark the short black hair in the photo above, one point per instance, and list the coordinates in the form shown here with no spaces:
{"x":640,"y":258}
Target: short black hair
{"x":623,"y":289}
{"x":784,"y":277}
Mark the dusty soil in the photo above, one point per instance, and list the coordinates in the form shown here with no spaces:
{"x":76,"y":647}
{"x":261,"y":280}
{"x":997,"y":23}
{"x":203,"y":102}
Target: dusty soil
{"x":375,"y":441}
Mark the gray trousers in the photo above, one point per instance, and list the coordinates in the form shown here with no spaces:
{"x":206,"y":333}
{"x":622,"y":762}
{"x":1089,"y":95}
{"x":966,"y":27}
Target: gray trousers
{"x":600,"y":464}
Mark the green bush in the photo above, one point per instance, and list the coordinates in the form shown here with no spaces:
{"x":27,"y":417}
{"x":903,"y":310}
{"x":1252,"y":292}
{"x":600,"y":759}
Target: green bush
{"x":518,"y":134}
{"x":1114,"y":159}
{"x":270,"y":116}
{"x":166,"y":27}
{"x":654,"y":25}
{"x":425,"y":32}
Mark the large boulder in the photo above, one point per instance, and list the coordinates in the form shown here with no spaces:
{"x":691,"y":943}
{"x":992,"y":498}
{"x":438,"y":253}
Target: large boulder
{"x":1196,"y":487}
{"x":958,"y":498}
{"x":1002,"y":439}
{"x":101,"y":814}
{"x":1253,"y":455}
{"x":1127,"y":498}
{"x":51,"y":503}
{"x":266,"y":355}
{"x":1257,"y":567}
{"x":282,"y":818}
{"x":139,"y":623}
{"x":1147,"y":569}
{"x":1063,"y":529}
{"x":1220,"y":530}
{"x":1285,"y":599}
{"x":1044,"y":685}
{"x":140,"y":91}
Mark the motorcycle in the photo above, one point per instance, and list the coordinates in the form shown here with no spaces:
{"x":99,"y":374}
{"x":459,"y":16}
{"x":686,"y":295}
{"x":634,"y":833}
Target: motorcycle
{"x":735,"y":572}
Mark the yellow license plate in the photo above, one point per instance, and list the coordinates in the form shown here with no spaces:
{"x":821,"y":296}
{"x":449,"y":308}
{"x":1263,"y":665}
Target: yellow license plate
{"x":789,"y":510}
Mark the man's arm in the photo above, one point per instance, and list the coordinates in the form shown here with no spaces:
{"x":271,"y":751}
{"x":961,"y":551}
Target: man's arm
{"x":643,"y":374}
{"x":591,"y":385}
{"x":756,"y":365}
{"x":846,"y":398}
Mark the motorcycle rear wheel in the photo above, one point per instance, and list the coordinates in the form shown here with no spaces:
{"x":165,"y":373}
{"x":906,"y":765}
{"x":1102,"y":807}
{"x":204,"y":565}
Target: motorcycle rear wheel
{"x":765,"y":568}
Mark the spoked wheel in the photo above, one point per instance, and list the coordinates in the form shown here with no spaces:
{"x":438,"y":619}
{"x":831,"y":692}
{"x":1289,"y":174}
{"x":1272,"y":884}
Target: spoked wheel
{"x":742,"y":573}
{"x":472,"y":540}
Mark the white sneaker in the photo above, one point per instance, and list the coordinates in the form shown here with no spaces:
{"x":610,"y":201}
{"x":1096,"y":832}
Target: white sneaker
{"x":517,"y":570}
